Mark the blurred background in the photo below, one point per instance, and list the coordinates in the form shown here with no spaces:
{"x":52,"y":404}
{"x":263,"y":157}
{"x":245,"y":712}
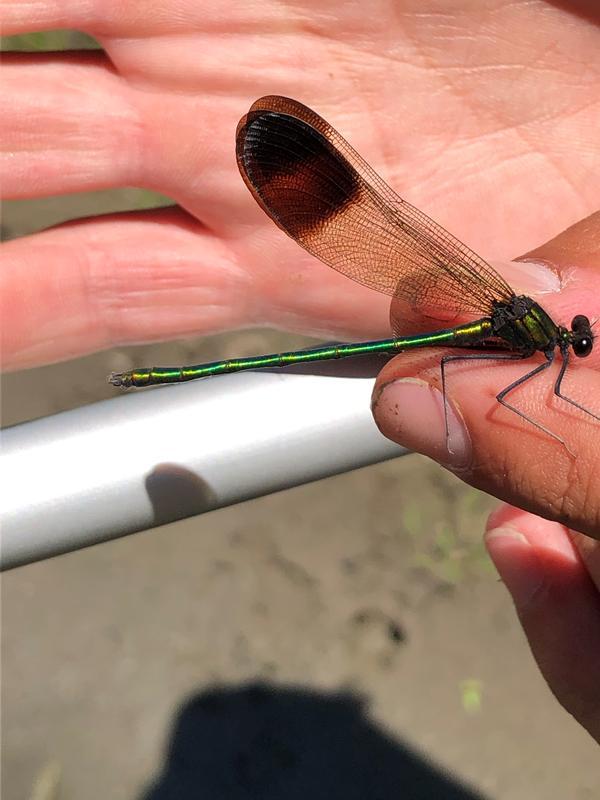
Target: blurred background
{"x":344,"y":639}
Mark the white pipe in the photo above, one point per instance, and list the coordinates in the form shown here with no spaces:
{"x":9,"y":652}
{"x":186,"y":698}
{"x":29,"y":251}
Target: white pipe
{"x":150,"y":457}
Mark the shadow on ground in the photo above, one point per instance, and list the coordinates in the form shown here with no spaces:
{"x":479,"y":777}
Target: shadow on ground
{"x":267,"y":742}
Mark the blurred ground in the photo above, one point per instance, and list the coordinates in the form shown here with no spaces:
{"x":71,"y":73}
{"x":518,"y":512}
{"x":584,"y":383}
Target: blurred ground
{"x":346,"y":639}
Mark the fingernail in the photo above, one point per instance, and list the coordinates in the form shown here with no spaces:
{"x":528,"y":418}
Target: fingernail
{"x":411,"y":412}
{"x":529,"y":277}
{"x":517,"y":564}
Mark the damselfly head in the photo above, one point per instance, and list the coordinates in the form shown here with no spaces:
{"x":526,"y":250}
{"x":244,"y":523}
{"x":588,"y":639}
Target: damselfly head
{"x":582,"y":338}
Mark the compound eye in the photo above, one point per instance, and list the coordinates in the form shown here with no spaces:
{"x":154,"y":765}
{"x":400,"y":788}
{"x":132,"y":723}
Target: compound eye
{"x":580,"y":324}
{"x":583,"y":347}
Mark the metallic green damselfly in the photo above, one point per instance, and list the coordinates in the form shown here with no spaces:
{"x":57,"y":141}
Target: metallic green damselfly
{"x":318,"y":190}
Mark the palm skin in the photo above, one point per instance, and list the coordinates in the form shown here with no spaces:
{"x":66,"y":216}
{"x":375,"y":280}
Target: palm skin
{"x":460,"y":110}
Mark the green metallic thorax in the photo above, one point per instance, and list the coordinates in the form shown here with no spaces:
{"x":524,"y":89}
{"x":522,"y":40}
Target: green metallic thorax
{"x":525,"y":326}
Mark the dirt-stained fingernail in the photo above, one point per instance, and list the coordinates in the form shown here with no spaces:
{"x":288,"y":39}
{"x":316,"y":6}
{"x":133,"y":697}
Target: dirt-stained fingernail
{"x":411,"y":412}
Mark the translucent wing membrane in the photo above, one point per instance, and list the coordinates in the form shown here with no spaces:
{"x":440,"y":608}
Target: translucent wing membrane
{"x":317,"y":189}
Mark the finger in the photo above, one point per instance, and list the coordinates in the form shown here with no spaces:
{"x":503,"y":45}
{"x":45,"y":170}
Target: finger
{"x":117,"y":279}
{"x":147,"y":276}
{"x":72,"y":124}
{"x":69,"y":124}
{"x":557,"y":603}
{"x":490,"y":446}
{"x":19,"y":17}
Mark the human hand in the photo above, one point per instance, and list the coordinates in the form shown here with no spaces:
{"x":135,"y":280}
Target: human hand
{"x":490,"y":446}
{"x":552,"y":573}
{"x":454,"y":107}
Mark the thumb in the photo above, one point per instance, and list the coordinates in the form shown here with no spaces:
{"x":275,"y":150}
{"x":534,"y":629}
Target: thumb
{"x":490,"y":446}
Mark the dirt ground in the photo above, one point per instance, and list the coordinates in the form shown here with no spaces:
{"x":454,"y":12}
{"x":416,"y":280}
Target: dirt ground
{"x":345,"y":639}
